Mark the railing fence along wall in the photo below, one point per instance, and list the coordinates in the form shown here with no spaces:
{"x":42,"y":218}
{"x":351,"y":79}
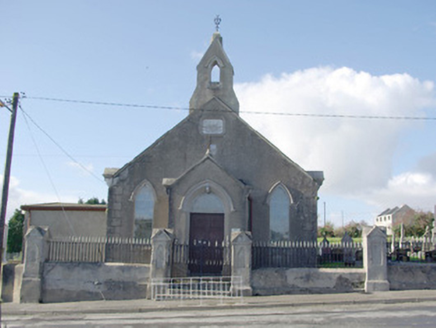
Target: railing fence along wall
{"x":99,"y":249}
{"x":207,"y":257}
{"x":305,"y":254}
{"x":201,"y":257}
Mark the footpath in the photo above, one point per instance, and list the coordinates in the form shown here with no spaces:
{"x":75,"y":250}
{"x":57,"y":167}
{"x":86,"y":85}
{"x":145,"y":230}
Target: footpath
{"x":136,"y":306}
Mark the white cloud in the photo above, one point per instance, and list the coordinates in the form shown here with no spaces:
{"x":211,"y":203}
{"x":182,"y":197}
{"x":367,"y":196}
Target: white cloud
{"x":356,"y":155}
{"x":415,"y":189}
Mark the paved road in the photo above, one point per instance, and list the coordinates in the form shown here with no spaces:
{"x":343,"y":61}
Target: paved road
{"x":360,"y":315}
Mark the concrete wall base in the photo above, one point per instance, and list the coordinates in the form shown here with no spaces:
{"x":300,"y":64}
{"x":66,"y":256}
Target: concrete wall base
{"x":70,"y":282}
{"x":17,"y":283}
{"x":8,"y":281}
{"x":30,"y":290}
{"x":12,"y":276}
{"x":406,"y":276}
{"x":376,"y":286}
{"x":279,"y":281}
{"x":244,"y":291}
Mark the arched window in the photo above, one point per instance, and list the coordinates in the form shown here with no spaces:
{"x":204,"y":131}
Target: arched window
{"x":279,"y":204}
{"x":215,"y":74}
{"x":144,"y":208}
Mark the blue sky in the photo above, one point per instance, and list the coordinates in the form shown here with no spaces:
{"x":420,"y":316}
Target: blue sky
{"x":296,"y":57}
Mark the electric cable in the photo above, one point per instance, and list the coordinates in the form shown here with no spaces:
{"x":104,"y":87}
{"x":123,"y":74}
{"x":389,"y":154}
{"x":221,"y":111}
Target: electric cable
{"x":60,"y":147}
{"x":67,"y":219}
{"x":314,"y":115}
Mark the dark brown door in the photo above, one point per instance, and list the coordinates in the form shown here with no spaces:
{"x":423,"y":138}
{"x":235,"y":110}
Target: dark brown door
{"x":205,"y":244}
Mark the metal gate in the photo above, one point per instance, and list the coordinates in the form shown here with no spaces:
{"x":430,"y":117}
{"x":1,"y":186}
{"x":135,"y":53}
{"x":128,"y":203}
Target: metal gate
{"x":205,"y":258}
{"x":202,"y":258}
{"x":196,"y":288}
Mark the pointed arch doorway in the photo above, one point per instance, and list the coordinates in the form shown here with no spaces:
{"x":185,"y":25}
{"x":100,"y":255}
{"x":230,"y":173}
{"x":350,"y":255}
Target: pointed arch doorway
{"x":206,"y":235}
{"x":206,"y":244}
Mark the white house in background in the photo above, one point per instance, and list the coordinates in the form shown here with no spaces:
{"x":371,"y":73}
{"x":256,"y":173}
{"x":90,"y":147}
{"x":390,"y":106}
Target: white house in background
{"x":391,"y":217}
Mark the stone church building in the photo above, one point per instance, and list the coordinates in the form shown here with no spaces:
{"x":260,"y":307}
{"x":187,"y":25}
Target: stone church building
{"x":213,"y":174}
{"x":219,"y":200}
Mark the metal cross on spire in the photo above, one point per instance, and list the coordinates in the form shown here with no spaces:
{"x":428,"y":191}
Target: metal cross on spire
{"x":217,"y":21}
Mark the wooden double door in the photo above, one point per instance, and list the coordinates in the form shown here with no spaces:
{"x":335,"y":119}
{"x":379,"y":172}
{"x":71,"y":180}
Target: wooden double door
{"x":206,"y":237}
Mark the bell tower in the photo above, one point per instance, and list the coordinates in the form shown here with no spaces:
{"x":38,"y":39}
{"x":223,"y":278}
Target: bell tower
{"x":214,"y":77}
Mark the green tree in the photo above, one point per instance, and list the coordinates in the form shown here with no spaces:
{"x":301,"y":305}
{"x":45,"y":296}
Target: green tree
{"x":339,"y":232}
{"x":420,"y":222}
{"x":354,"y":229}
{"x":416,"y":226}
{"x":92,"y":201}
{"x":15,"y":232}
{"x":328,"y":230}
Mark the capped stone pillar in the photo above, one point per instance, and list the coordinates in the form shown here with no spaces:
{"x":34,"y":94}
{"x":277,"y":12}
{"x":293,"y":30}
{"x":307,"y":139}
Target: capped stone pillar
{"x":36,"y":252}
{"x":161,"y":254}
{"x":374,"y":260}
{"x":241,"y":263}
{"x":161,"y":243}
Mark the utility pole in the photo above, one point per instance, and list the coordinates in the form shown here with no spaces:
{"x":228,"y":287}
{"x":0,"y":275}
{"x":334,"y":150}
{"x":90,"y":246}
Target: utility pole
{"x":7,"y":174}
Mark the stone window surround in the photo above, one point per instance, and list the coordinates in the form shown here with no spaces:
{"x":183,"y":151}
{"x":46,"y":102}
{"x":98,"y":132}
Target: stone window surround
{"x":271,"y":191}
{"x":136,"y":191}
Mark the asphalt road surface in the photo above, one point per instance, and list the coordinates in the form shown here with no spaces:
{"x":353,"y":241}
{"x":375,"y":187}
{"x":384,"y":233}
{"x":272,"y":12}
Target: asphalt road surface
{"x":377,"y":315}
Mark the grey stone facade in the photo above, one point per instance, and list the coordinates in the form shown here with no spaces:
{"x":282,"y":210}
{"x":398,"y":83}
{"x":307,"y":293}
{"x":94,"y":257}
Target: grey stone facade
{"x":215,"y":157}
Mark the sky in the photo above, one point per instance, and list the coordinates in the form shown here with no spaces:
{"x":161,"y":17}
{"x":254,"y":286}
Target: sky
{"x":308,"y":75}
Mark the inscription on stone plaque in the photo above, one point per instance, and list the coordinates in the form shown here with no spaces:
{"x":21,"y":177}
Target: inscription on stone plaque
{"x":215,"y":126}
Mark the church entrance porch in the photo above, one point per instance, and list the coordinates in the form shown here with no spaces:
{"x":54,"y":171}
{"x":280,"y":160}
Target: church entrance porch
{"x":206,"y":248}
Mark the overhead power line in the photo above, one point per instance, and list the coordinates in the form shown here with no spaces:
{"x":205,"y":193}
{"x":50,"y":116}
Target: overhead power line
{"x":102,"y":103}
{"x":415,"y":118}
{"x":315,"y":115}
{"x":47,"y":172}
{"x":59,"y":146}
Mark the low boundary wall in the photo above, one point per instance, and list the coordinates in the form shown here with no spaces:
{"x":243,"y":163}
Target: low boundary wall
{"x":69,"y":282}
{"x":277,"y":281}
{"x":42,"y":279}
{"x":11,"y":282}
{"x":406,"y":276}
